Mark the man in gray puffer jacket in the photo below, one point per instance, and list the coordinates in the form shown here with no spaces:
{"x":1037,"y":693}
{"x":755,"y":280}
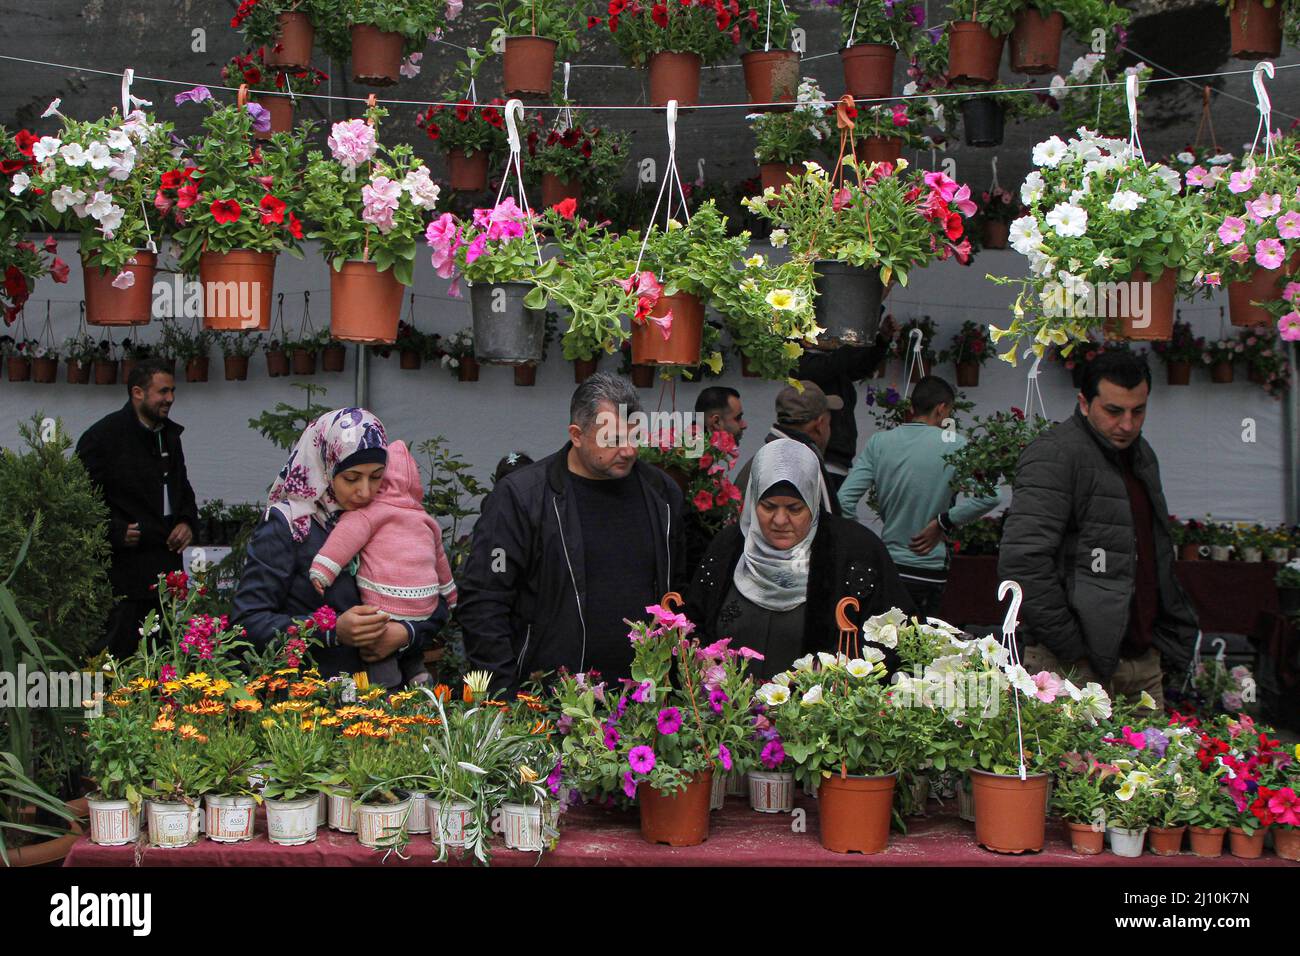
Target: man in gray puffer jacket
{"x":1087,"y":538}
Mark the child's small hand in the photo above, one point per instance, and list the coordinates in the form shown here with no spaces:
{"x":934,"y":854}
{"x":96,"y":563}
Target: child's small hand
{"x":318,"y":585}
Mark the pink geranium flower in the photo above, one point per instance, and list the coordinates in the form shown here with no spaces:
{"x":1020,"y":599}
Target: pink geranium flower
{"x":1269,"y":253}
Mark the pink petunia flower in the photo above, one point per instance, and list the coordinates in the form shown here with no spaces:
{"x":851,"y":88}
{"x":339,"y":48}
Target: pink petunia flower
{"x":1242,"y":180}
{"x":1232,"y":230}
{"x":1269,"y":253}
{"x":1196,"y":176}
{"x":1289,"y":327}
{"x":1048,"y":686}
{"x":1266,"y":206}
{"x":669,"y":721}
{"x":1288,"y":225}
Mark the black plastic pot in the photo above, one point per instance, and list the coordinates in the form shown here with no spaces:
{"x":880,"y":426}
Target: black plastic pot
{"x":982,"y":121}
{"x":505,"y":332}
{"x":847,"y":304}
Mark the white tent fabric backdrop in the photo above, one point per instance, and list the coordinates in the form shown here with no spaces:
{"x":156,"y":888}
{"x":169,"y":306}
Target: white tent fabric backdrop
{"x":1196,"y":431}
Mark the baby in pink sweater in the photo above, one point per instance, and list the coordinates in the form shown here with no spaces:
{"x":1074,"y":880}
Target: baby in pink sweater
{"x":403,"y":570}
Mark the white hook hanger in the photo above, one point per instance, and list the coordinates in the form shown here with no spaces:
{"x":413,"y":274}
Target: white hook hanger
{"x":1131,"y":98}
{"x":995,"y":173}
{"x":1032,"y":389}
{"x":128,"y":76}
{"x":1265,"y":106}
{"x":512,"y":128}
{"x":1009,"y":623}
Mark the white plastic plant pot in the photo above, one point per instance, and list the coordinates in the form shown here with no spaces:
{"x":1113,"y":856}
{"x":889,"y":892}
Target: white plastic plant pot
{"x":737,"y":784}
{"x":380,"y":822}
{"x":1125,"y":841}
{"x":342,"y":814}
{"x":1280,"y":555}
{"x":521,"y":825}
{"x":448,"y":824}
{"x":771,"y":791}
{"x":322,"y":809}
{"x":230,"y":819}
{"x":1219,"y":552}
{"x":172,"y":824}
{"x":292,"y":822}
{"x":965,"y":801}
{"x":113,"y":822}
{"x":418,"y":820}
{"x":718,"y":795}
{"x":1252,"y":555}
{"x":811,"y":789}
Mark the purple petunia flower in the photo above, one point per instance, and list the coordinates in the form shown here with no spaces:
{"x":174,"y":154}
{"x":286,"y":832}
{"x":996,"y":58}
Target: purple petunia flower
{"x":773,"y":754}
{"x":622,"y":707}
{"x":1157,"y":742}
{"x":916,"y":15}
{"x":564,"y":724}
{"x":612,"y":737}
{"x":717,"y":697}
{"x":669,"y":720}
{"x":629,"y":785}
{"x":642,"y":692}
{"x":724,"y":755}
{"x":554,"y":777}
{"x":641,"y":759}
{"x":261,"y":117}
{"x":196,"y":95}
{"x":935,"y":34}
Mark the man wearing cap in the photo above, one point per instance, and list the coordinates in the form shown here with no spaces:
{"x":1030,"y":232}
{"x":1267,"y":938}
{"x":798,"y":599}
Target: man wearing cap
{"x":803,"y":414}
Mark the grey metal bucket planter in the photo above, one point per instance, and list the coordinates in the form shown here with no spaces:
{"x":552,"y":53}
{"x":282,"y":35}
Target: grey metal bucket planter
{"x":505,"y":332}
{"x":847,"y":304}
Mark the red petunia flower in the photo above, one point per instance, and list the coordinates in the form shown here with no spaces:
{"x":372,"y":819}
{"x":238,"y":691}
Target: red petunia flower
{"x":187,"y":196}
{"x":225,"y":210}
{"x":59,"y":270}
{"x":613,"y":24}
{"x":272,"y":210}
{"x":295,"y":227}
{"x":659,"y":14}
{"x":463,"y":110}
{"x":616,"y":7}
{"x":25,"y":140}
{"x":952,"y":226}
{"x":566,"y":207}
{"x":724,"y":19}
{"x":11,"y":166}
{"x":593,"y":22}
{"x":433,"y":131}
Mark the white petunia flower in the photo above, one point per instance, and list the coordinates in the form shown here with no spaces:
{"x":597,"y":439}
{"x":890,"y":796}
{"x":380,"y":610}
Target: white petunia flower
{"x":63,"y":197}
{"x":872,"y":655}
{"x":827,"y":660}
{"x":804,"y":663}
{"x":20,"y":183}
{"x":778,"y":238}
{"x":774,"y":695}
{"x":1068,"y":220}
{"x":859,"y":668}
{"x":1024,"y":235}
{"x":1057,"y":88}
{"x":1186,"y":157}
{"x":73,"y":154}
{"x":1173,"y":182}
{"x":1031,"y":190}
{"x":782,"y":678}
{"x":1021,"y":680}
{"x":45,"y":147}
{"x":1049,"y":152}
{"x":109,"y":222}
{"x":99,"y":205}
{"x":99,"y":156}
{"x":1126,"y":200}
{"x":814,"y":695}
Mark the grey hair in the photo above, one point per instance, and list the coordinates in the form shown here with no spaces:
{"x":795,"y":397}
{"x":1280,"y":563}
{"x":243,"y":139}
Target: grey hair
{"x":600,"y":388}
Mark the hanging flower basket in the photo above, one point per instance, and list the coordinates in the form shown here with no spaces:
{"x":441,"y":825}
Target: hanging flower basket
{"x":291,"y":50}
{"x":675,"y":76}
{"x":376,"y":55}
{"x":680,"y":818}
{"x":528,"y":66}
{"x":467,"y":173}
{"x":1264,"y":285}
{"x":78,"y":372}
{"x":506,"y":332}
{"x":20,"y":368}
{"x":196,"y":369}
{"x":771,"y":76}
{"x":1221,"y":373}
{"x":1157,"y":325}
{"x":303,"y":361}
{"x":236,"y":368}
{"x":847,"y":303}
{"x":115,"y":299}
{"x":1036,"y":42}
{"x":1010,"y":813}
{"x":281,"y":110}
{"x":237,"y":289}
{"x":333,"y":358}
{"x":776,"y":175}
{"x":996,"y":233}
{"x":968,"y":374}
{"x":45,"y":370}
{"x":880,"y":149}
{"x":526,"y":375}
{"x":584,"y":369}
{"x":982,"y":122}
{"x":1255,"y":30}
{"x":869,"y":70}
{"x":555,"y":190}
{"x":467,"y":371}
{"x":277,"y":362}
{"x":973,"y":53}
{"x":105,"y":372}
{"x":682,"y":346}
{"x":365,"y":304}
{"x":643,"y":376}
{"x":1178,"y":373}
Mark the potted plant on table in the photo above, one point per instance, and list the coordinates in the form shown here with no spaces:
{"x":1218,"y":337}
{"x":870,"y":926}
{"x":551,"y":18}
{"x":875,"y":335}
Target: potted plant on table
{"x":873,"y":35}
{"x":1288,"y":587}
{"x":533,"y":33}
{"x":236,"y":348}
{"x":272,"y":88}
{"x":1219,"y":537}
{"x":783,"y":140}
{"x":471,"y":136}
{"x":286,"y":28}
{"x":178,"y":782}
{"x":1189,"y":537}
{"x":1180,"y":353}
{"x":1210,"y":814}
{"x":370,"y":202}
{"x":80,"y":352}
{"x":365,"y":801}
{"x":770,"y":63}
{"x":573,"y":159}
{"x":1079,"y":799}
{"x":970,"y":349}
{"x":1096,"y":203}
{"x":381,"y":37}
{"x":236,"y":202}
{"x":120,"y":747}
{"x":1131,"y":803}
{"x":528,"y":808}
{"x":297,"y":766}
{"x":674,"y":41}
{"x":228,"y":757}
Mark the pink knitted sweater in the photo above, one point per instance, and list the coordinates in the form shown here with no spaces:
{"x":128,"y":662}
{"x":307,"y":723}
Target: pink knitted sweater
{"x":403,"y":569}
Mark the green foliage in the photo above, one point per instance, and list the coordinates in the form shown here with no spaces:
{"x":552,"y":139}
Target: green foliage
{"x":18,"y":789}
{"x":119,"y":753}
{"x":583,"y":151}
{"x":757,"y":33}
{"x":62,"y":588}
{"x":793,"y":136}
{"x":283,"y":426}
{"x":998,"y":16}
{"x":679,"y":29}
{"x":551,"y":19}
{"x":227,"y":759}
{"x":298,"y":760}
{"x":413,"y":19}
{"x":240,"y":344}
{"x":865,"y":21}
{"x":993,"y":447}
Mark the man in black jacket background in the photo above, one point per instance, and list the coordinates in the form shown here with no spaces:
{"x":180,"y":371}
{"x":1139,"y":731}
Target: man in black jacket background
{"x":134,"y":455}
{"x":568,"y":547}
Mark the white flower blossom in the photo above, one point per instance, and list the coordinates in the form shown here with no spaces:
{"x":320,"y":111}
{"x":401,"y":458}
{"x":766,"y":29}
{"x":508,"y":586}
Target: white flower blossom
{"x":99,"y":205}
{"x":1024,"y":235}
{"x":64,"y":196}
{"x":814,"y":695}
{"x":1031,"y":190}
{"x":1068,"y":220}
{"x":20,"y":183}
{"x":773,"y":695}
{"x":1049,"y":152}
{"x":98,"y":156}
{"x":45,"y":147}
{"x":73,"y":155}
{"x":1126,"y":200}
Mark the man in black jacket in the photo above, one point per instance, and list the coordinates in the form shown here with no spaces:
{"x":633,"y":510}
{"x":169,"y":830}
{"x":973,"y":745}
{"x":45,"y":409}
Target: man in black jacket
{"x":568,"y":547}
{"x":134,"y":456}
{"x":1087,"y":538}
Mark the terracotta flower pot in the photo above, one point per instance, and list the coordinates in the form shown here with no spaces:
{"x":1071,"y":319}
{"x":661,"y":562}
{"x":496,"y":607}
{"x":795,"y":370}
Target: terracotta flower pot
{"x":196,"y":369}
{"x":78,"y":372}
{"x":1158,"y":297}
{"x":105,"y":372}
{"x":1286,"y":842}
{"x":467,"y":371}
{"x":1207,"y":841}
{"x":376,"y":55}
{"x":236,"y":367}
{"x":303,"y":361}
{"x":409,"y":360}
{"x":1221,"y":373}
{"x":968,"y":374}
{"x":108,"y":305}
{"x":973,"y":53}
{"x":277,"y":362}
{"x":555,"y":190}
{"x":675,"y":76}
{"x":854,"y":813}
{"x":1085,"y":839}
{"x":1246,"y":846}
{"x":526,"y":375}
{"x":467,"y":173}
{"x":584,"y":369}
{"x":643,"y":376}
{"x":528,"y":66}
{"x":680,"y":818}
{"x":771,"y":76}
{"x":365,"y":304}
{"x":54,"y":849}
{"x":880,"y":149}
{"x":682,"y":347}
{"x":1166,"y":841}
{"x":333,"y":358}
{"x":1010,"y":813}
{"x":291,"y":49}
{"x":1036,"y":42}
{"x":281,"y":110}
{"x":1178,"y":373}
{"x":1264,"y":285}
{"x":237,"y":289}
{"x":996,"y":234}
{"x":1189,"y":552}
{"x":1255,"y":30}
{"x":20,"y":368}
{"x":869,"y":70}
{"x":776,"y":175}
{"x":127,"y":365}
{"x":45,"y":370}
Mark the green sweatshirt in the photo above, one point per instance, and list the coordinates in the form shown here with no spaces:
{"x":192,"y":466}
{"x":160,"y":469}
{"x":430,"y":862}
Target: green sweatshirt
{"x":906,"y":467}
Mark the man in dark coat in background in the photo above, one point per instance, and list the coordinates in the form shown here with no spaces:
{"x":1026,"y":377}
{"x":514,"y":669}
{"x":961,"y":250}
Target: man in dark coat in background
{"x":134,"y":456}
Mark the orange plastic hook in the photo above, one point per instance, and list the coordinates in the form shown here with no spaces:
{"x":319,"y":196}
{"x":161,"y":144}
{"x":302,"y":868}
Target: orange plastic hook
{"x":671,"y":601}
{"x":242,"y":96}
{"x":841,"y":618}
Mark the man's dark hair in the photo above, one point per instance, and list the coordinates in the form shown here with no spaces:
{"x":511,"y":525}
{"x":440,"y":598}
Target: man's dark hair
{"x":509,"y":463}
{"x":601,"y":387}
{"x":144,"y":371}
{"x":715,"y":398}
{"x":1120,"y":366}
{"x":930,"y":392}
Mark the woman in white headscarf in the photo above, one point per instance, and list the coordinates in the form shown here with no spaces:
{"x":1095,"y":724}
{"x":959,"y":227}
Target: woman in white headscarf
{"x":772,"y":582}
